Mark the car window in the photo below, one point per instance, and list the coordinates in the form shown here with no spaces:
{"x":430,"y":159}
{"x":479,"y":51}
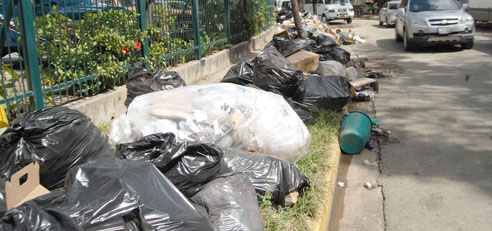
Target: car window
{"x":433,"y":5}
{"x":393,"y":6}
{"x":285,"y":5}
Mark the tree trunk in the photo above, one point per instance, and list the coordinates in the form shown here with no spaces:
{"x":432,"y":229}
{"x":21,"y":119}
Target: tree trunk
{"x":297,"y":19}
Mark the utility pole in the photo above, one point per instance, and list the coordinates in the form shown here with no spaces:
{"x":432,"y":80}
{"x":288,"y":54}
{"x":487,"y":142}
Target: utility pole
{"x":297,"y":19}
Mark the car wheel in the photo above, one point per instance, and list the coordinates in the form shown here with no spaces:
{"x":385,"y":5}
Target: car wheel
{"x":407,"y":45}
{"x":349,"y":20}
{"x":380,"y":22}
{"x":387,"y":24}
{"x":398,"y":38}
{"x":468,"y":45}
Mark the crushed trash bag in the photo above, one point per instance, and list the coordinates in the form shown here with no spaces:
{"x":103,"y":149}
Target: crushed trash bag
{"x":266,"y":173}
{"x":324,"y":42}
{"x":58,"y":138}
{"x":224,"y":114}
{"x":231,"y":204}
{"x":273,"y":72}
{"x":288,"y":46}
{"x":142,"y":81}
{"x":188,"y":165}
{"x":330,"y":68}
{"x":110,"y":195}
{"x":329,"y":92}
{"x":241,"y":73}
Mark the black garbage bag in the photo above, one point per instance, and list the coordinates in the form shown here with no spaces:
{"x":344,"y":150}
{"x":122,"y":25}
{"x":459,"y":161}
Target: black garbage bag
{"x":241,"y":73}
{"x":337,"y":54}
{"x":273,"y":72}
{"x":288,"y":46}
{"x":302,"y":110}
{"x":110,"y":195}
{"x":266,"y":173}
{"x":324,"y":41}
{"x":231,"y":204}
{"x":142,"y":81}
{"x":329,"y":92}
{"x":188,"y":165}
{"x":58,"y":138}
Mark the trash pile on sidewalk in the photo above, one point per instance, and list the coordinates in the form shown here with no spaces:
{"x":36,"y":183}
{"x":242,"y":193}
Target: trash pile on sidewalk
{"x":182,"y":157}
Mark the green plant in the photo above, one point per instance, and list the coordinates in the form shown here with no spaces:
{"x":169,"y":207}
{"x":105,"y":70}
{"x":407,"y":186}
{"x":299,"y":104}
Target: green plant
{"x":314,"y":165}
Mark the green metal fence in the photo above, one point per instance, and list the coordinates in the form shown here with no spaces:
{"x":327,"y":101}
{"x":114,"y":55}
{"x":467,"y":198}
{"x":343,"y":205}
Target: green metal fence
{"x":57,"y":51}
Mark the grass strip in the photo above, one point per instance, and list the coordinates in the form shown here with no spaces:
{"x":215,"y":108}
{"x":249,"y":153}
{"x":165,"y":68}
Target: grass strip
{"x":315,"y":166}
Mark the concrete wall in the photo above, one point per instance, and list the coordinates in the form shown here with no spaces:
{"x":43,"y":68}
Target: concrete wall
{"x":105,"y":107}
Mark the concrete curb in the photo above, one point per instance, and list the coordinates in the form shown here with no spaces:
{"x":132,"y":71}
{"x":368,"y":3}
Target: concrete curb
{"x":105,"y":107}
{"x":322,"y":222}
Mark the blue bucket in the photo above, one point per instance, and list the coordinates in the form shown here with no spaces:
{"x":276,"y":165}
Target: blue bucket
{"x":355,"y":131}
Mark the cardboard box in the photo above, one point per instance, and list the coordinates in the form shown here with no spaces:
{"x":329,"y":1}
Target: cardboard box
{"x":17,"y":193}
{"x":283,"y":34}
{"x":366,"y":82}
{"x":305,"y":60}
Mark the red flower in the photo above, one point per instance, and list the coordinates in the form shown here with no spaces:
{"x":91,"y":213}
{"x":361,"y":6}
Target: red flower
{"x":264,"y":24}
{"x":257,"y":16}
{"x":124,"y":49}
{"x":139,"y":46}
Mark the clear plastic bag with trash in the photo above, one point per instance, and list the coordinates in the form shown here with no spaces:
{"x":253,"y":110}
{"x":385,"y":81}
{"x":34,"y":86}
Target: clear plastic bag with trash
{"x":330,"y":68}
{"x":227,"y":115}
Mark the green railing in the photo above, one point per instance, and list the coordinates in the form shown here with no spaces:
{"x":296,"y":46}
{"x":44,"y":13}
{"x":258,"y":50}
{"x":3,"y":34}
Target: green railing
{"x":58,"y":51}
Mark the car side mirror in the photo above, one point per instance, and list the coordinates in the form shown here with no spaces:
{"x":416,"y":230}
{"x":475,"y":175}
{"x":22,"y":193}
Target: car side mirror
{"x":465,"y":6}
{"x":401,"y":10}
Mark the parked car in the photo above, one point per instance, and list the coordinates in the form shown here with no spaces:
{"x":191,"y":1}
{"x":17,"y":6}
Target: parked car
{"x":387,"y":14}
{"x":330,"y":10}
{"x":423,"y":22}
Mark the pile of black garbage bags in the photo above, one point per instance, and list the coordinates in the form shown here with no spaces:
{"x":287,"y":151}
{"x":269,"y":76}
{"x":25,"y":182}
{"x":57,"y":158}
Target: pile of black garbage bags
{"x":271,"y":71}
{"x":154,"y":183}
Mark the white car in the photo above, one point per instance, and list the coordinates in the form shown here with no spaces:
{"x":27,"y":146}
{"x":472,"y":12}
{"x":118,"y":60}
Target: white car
{"x":424,"y":22}
{"x":387,"y":14}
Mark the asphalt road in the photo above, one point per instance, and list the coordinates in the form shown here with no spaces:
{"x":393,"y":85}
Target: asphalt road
{"x":439,"y":108}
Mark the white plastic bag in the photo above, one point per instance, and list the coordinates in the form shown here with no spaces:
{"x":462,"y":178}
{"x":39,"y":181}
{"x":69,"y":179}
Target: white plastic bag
{"x":351,"y":73}
{"x":225,"y":114}
{"x":330,"y":68}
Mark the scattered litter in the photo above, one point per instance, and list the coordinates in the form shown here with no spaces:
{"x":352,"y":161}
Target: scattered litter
{"x":368,"y":163}
{"x":366,"y":95}
{"x":375,"y":75}
{"x":341,"y":184}
{"x":383,"y":160}
{"x":368,"y":185}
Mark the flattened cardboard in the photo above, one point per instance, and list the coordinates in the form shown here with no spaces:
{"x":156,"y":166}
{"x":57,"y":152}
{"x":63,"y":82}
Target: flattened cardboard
{"x":17,"y":193}
{"x":304,"y":60}
{"x":283,"y":34}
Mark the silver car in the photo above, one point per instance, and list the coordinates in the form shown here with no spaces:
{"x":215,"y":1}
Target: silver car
{"x":387,"y":14}
{"x":423,"y":22}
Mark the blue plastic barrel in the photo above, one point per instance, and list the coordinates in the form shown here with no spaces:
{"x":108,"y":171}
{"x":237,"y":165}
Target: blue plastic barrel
{"x":354,"y":132}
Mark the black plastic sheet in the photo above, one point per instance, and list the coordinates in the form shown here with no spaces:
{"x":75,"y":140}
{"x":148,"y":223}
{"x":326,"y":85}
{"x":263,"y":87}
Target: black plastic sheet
{"x":241,"y":73}
{"x":142,"y":81}
{"x":266,"y":173}
{"x":329,"y":92}
{"x":288,"y":46}
{"x":110,"y":195}
{"x":303,"y":111}
{"x":273,"y":72}
{"x":58,"y":138}
{"x":188,"y":165}
{"x":231,"y":204}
